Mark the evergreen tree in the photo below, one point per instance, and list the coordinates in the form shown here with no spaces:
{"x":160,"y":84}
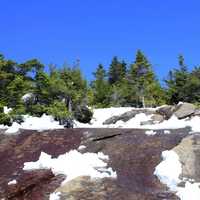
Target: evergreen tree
{"x":75,"y":87}
{"x":146,"y":85}
{"x":117,"y":71}
{"x":177,"y":82}
{"x":100,"y":87}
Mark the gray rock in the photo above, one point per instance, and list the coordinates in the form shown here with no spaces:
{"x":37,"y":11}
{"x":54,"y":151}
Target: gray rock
{"x":166,"y":111}
{"x":157,"y":118}
{"x":197,"y":112}
{"x":189,"y":154}
{"x":184,"y":110}
{"x":127,"y":116}
{"x":149,"y":122}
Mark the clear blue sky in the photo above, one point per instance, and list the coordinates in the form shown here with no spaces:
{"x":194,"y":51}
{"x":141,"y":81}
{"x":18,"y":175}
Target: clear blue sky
{"x":94,"y":31}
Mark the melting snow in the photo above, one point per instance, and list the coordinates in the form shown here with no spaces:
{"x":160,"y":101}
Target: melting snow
{"x":73,"y":164}
{"x":150,"y":132}
{"x":13,"y":182}
{"x":45,"y":122}
{"x":169,"y":171}
{"x":100,"y":115}
{"x":54,"y":196}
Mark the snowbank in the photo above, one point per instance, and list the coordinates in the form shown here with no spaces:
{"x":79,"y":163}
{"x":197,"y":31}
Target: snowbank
{"x":45,"y":122}
{"x":100,"y":115}
{"x":169,"y":171}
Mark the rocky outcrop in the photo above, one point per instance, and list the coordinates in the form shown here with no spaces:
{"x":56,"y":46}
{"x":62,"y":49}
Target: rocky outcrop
{"x":127,"y":116}
{"x":184,"y":110}
{"x":189,"y":154}
{"x":166,"y":111}
{"x":132,"y":154}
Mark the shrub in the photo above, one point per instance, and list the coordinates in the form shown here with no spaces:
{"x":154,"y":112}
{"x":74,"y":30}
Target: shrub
{"x":59,"y":111}
{"x":5,"y":119}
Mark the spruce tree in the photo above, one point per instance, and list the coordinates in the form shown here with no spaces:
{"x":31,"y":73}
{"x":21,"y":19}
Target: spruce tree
{"x":177,"y":83}
{"x":143,"y":79}
{"x":117,"y":71}
{"x":100,"y":87}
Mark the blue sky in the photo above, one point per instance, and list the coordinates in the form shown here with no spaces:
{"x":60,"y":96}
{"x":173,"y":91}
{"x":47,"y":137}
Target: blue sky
{"x":58,"y":31}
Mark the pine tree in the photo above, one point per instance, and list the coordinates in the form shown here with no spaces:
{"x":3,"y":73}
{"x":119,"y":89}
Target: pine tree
{"x":100,"y":87}
{"x":177,"y":82}
{"x":144,"y":82}
{"x":117,"y":71}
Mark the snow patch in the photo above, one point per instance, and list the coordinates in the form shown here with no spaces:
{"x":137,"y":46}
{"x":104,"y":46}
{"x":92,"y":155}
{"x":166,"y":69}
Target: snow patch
{"x":81,"y":147}
{"x":6,"y":110}
{"x":45,"y":122}
{"x":55,"y":196}
{"x":27,"y":96}
{"x":74,"y":164}
{"x":169,"y":171}
{"x":100,"y":115}
{"x":167,"y":131}
{"x":13,"y":182}
{"x":150,"y":132}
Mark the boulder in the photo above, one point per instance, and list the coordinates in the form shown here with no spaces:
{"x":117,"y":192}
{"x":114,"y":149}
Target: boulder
{"x":189,"y":154}
{"x":197,"y":112}
{"x":83,"y":114}
{"x":166,"y":111}
{"x":149,"y":122}
{"x":157,"y":118}
{"x":184,"y":110}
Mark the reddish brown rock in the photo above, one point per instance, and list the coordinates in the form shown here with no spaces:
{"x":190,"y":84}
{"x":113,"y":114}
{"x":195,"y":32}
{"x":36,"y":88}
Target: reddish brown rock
{"x":133,"y":155}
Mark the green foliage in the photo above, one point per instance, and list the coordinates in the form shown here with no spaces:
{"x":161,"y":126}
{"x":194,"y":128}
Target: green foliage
{"x":59,"y":110}
{"x":5,"y":119}
{"x":100,"y":88}
{"x":63,"y":92}
{"x":177,"y":83}
{"x":117,"y":71}
{"x":147,"y":88}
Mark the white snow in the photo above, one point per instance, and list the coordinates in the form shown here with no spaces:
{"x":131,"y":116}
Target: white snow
{"x":13,"y":182}
{"x":27,"y":96}
{"x":54,"y":196}
{"x":81,"y":147}
{"x":169,"y":171}
{"x":6,"y":110}
{"x":45,"y":122}
{"x":13,"y":129}
{"x":150,"y":132}
{"x":167,"y":131}
{"x":74,"y":164}
{"x":100,"y":115}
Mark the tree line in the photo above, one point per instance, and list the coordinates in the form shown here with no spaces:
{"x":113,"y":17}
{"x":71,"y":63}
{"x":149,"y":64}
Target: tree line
{"x":63,"y":91}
